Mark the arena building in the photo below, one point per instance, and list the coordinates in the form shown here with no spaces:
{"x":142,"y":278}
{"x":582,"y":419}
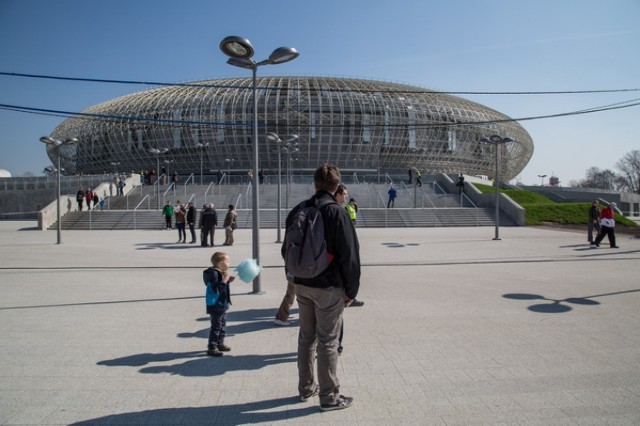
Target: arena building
{"x":356,"y":124}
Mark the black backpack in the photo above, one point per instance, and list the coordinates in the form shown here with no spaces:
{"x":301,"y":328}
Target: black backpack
{"x":304,"y":247}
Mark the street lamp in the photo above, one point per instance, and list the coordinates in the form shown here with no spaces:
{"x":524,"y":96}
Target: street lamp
{"x":57,"y":144}
{"x":239,"y":50}
{"x":203,"y":146}
{"x":158,"y":152}
{"x":496,"y":141}
{"x":542,"y":177}
{"x":273,"y":137}
{"x":229,"y":162}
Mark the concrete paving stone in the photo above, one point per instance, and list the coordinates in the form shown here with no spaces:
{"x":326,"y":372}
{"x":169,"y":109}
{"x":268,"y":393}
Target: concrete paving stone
{"x":500,"y":328}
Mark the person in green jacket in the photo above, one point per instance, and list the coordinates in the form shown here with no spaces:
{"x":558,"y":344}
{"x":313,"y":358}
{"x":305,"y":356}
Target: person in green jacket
{"x":352,"y":209}
{"x":167,"y":212}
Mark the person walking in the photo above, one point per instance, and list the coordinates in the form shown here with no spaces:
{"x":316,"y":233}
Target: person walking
{"x":207,"y":225}
{"x":392,"y":196}
{"x":80,"y":198}
{"x":191,"y":221}
{"x":322,"y":299}
{"x":607,"y":226}
{"x":230,"y":224}
{"x":88,"y":196}
{"x":594,"y":221}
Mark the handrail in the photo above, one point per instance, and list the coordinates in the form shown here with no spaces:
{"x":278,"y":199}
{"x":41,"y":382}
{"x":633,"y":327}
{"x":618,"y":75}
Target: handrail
{"x":207,"y":191}
{"x":135,"y":210}
{"x":164,"y":194}
{"x":193,"y":195}
{"x":237,"y":205}
{"x":369,"y":190}
{"x":186,"y":182}
{"x":428,"y":199}
{"x":386,"y":176}
{"x":131,"y":192}
{"x":386,"y":211}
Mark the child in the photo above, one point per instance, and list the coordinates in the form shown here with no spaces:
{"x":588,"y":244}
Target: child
{"x":217,"y":280}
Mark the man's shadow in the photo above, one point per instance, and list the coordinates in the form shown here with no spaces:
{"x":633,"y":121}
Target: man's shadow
{"x":560,"y":305}
{"x":267,"y":411}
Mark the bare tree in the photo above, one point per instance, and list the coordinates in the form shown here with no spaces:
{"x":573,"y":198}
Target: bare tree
{"x":629,"y":165}
{"x":600,"y":179}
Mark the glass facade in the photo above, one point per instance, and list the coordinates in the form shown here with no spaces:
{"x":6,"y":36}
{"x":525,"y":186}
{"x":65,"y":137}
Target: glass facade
{"x":355,"y":124}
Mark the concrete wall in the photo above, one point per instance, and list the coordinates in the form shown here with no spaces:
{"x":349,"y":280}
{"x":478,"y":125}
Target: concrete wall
{"x":507,"y":206}
{"x":48,"y":215}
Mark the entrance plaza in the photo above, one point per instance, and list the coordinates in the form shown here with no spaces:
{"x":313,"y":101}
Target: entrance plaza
{"x":457,"y":329}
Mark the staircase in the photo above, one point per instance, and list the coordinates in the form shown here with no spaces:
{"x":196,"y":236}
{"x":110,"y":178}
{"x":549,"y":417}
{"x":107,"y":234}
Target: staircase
{"x":141,"y":208}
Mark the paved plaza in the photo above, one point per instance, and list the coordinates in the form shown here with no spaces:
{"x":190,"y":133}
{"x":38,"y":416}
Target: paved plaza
{"x":457,"y":329}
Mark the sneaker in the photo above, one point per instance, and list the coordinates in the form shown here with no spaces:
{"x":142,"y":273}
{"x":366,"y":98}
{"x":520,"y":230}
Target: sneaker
{"x":340,"y":349}
{"x":311,"y":394}
{"x":280,"y":322}
{"x":356,"y":303}
{"x":224,"y":348}
{"x":340,"y":404}
{"x":214,"y":352}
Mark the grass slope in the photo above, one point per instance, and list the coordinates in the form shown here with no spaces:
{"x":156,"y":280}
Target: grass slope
{"x":540,"y":209}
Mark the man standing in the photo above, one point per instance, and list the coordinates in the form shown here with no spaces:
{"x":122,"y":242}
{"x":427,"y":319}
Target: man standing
{"x":208,"y":222}
{"x":322,"y":299}
{"x":191,"y":221}
{"x":594,"y":220}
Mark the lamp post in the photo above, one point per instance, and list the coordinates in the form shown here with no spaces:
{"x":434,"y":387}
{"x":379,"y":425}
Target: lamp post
{"x":542,"y":177}
{"x":158,"y":152}
{"x":57,"y":144}
{"x":201,"y":146}
{"x":293,"y":149}
{"x":239,"y":50}
{"x":496,"y":141}
{"x":273,"y":137}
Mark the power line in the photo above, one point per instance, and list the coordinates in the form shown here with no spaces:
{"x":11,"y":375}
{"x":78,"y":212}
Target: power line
{"x":123,"y":119}
{"x":157,"y":83}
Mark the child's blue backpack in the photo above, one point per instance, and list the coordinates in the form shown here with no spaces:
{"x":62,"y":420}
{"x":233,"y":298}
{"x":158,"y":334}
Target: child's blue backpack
{"x":211,"y":295}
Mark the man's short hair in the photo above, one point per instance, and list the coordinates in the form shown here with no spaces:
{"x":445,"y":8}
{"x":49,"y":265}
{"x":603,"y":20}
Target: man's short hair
{"x":341,"y":189}
{"x":327,"y":177}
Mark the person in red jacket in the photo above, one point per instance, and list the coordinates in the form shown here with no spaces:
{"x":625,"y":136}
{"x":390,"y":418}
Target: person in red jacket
{"x":607,"y":226}
{"x":89,"y":197}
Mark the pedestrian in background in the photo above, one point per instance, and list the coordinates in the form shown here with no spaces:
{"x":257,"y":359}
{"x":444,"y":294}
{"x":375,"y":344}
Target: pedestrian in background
{"x":594,"y":221}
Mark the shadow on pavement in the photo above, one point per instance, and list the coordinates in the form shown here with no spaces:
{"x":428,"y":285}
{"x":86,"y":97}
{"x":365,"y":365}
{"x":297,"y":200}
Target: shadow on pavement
{"x":559,"y":305}
{"x":247,"y":413}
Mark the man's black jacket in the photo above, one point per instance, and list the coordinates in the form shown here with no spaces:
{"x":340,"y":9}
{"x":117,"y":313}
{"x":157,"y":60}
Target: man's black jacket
{"x":208,"y":218}
{"x":342,"y":243}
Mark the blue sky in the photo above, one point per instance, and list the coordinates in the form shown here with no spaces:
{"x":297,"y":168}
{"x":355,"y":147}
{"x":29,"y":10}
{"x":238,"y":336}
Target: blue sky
{"x":453,"y":45}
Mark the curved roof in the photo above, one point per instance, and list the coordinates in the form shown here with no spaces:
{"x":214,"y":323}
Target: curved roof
{"x":356,"y":124}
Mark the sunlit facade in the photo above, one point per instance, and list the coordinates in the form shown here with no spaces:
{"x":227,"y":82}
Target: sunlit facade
{"x":357,"y":124}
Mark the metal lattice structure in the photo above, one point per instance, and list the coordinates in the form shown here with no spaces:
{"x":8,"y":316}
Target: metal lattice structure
{"x":355,"y":124}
